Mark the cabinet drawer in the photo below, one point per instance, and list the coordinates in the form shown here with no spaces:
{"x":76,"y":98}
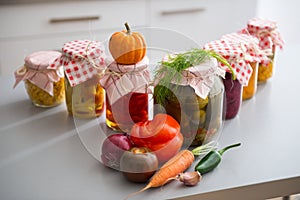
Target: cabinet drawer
{"x":202,"y":20}
{"x":64,"y":17}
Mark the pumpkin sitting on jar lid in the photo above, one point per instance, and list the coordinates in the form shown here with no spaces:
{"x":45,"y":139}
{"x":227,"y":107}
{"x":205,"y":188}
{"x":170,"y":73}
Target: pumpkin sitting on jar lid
{"x":127,"y":47}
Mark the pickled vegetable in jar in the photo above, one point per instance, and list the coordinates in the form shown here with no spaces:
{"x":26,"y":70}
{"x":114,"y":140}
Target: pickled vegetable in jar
{"x":232,"y":48}
{"x":127,"y":94}
{"x":250,"y":90}
{"x":269,"y":41}
{"x":188,"y":87}
{"x":233,"y":91}
{"x":44,"y":82}
{"x":84,"y":65}
{"x":252,"y":54}
{"x":85,"y":100}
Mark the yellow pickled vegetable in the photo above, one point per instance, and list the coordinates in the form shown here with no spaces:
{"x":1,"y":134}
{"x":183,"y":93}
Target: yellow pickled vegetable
{"x":249,"y":91}
{"x":41,"y":98}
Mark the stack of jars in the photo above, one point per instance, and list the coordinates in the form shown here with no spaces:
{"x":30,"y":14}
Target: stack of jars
{"x":251,"y":55}
{"x":91,"y":81}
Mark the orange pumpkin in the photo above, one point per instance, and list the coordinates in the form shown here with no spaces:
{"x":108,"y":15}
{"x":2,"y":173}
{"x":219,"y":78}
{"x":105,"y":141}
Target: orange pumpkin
{"x":127,"y":47}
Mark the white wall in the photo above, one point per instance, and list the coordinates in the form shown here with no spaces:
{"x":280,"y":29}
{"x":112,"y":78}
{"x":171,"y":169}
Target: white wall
{"x":286,"y":13}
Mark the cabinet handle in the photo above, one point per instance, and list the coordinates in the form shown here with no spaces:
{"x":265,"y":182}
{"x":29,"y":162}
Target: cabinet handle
{"x":73,"y":19}
{"x":182,"y":11}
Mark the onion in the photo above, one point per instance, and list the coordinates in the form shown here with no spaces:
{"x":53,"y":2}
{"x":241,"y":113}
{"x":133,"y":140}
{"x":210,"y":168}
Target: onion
{"x":112,"y":149}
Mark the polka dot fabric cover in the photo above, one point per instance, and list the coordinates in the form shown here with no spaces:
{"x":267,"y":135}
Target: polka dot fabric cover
{"x":265,"y":31}
{"x":235,"y":54}
{"x":254,"y":52}
{"x":82,"y":59}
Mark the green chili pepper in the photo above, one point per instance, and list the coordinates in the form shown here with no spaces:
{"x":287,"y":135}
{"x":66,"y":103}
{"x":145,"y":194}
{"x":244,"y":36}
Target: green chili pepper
{"x":212,"y":160}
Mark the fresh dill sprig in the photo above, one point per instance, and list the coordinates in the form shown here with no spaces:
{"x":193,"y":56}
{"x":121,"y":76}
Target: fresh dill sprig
{"x":170,"y":71}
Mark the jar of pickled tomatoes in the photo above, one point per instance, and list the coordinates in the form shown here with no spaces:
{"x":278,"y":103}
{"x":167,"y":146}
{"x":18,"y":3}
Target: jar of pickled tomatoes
{"x":44,"y":82}
{"x":84,"y":64}
{"x":270,"y":40}
{"x":188,"y":87}
{"x":127,"y":94}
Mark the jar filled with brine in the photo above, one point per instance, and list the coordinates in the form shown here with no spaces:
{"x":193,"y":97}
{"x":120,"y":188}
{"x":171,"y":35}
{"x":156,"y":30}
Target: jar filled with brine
{"x":84,"y":65}
{"x":269,"y":41}
{"x":248,"y":54}
{"x":188,"y":87}
{"x":44,"y":81}
{"x":236,"y":55}
{"x":127,"y":91}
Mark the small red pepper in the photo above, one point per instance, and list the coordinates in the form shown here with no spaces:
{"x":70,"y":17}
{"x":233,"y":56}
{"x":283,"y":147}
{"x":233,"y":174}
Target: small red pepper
{"x":161,"y":135}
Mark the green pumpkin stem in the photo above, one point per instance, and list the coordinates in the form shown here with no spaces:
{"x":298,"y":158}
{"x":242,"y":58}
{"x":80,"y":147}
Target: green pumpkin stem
{"x":127,"y":28}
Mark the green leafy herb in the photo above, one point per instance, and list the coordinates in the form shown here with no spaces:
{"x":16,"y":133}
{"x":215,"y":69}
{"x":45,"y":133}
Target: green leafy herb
{"x":170,"y":70}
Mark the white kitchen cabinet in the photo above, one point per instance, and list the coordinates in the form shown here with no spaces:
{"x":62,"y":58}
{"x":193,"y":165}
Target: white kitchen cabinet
{"x":26,"y":28}
{"x":202,"y":20}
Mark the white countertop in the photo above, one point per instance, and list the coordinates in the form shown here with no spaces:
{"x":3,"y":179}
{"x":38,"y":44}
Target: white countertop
{"x":42,"y":157}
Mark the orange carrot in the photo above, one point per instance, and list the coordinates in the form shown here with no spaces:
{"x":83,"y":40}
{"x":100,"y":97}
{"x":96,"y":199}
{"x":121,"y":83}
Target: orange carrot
{"x":176,"y":165}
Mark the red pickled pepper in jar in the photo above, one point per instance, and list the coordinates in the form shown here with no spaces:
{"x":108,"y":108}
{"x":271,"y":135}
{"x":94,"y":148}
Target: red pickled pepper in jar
{"x":126,"y":94}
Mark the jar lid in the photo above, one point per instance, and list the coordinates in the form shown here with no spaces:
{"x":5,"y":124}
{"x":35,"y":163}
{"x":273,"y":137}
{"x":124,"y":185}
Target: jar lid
{"x":265,"y":31}
{"x":82,"y":60}
{"x":42,"y":60}
{"x":120,"y":80}
{"x":257,"y":24}
{"x":235,"y":54}
{"x":253,"y":52}
{"x":200,"y":77}
{"x":40,"y":70}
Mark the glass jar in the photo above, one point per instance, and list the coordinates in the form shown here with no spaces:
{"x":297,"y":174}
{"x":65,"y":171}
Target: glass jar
{"x":44,"y":82}
{"x":84,"y":63}
{"x":269,"y":40}
{"x":41,"y":98}
{"x":199,"y":118}
{"x":85,"y":100}
{"x":193,"y":96}
{"x":266,"y":71}
{"x":126,"y":111}
{"x":127,"y":94}
{"x":250,"y":90}
{"x":233,"y":91}
{"x":236,"y":49}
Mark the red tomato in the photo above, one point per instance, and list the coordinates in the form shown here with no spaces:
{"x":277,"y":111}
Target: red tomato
{"x":161,"y":135}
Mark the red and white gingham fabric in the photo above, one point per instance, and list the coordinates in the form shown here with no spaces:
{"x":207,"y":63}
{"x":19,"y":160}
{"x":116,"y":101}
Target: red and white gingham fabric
{"x":254,"y":52}
{"x":265,"y":31}
{"x":235,"y":54}
{"x":82,"y":59}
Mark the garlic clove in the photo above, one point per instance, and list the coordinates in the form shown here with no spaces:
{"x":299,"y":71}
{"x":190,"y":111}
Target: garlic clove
{"x":189,"y":178}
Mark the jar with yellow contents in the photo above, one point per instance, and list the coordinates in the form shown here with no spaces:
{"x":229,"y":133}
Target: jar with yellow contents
{"x":188,"y":87}
{"x":44,"y":81}
{"x":270,"y":40}
{"x":84,"y":64}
